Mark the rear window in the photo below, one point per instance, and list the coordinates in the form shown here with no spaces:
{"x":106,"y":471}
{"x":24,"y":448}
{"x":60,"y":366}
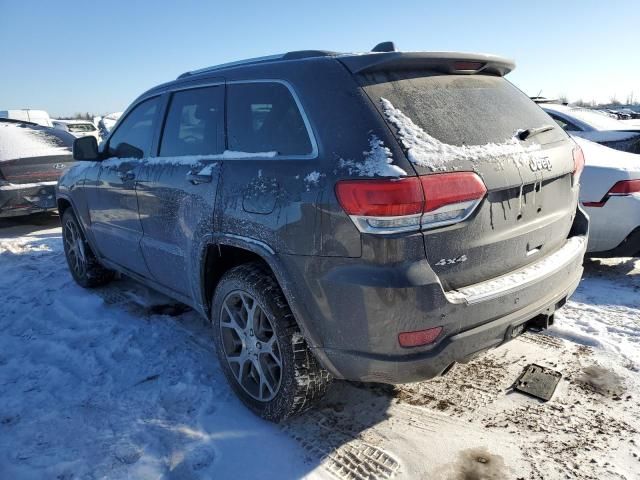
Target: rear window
{"x":264,"y":117}
{"x":81,"y":127}
{"x":460,"y":109}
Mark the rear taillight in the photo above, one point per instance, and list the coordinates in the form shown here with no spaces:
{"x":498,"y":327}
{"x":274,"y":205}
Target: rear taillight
{"x":619,"y":189}
{"x":625,"y":187}
{"x":578,"y":164}
{"x":400,"y":205}
{"x":450,"y":197}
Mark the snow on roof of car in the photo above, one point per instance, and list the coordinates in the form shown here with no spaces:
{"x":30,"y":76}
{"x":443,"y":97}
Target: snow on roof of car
{"x":25,"y":140}
{"x":72,"y":122}
{"x":594,"y":118}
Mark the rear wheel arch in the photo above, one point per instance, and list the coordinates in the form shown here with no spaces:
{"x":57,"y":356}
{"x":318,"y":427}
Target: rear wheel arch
{"x":223,"y":253}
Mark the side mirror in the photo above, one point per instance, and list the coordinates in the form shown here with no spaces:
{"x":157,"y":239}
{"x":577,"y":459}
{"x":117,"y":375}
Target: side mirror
{"x":86,"y":148}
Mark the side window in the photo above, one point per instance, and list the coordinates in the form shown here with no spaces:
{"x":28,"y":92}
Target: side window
{"x":134,"y":135}
{"x":264,"y":117}
{"x":195,"y":123}
{"x":566,"y":126}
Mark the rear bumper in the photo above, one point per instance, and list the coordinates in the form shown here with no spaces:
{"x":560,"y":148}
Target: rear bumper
{"x":26,"y":199}
{"x":629,"y":247}
{"x":357,"y":311}
{"x":461,"y":347}
{"x":612,"y":226}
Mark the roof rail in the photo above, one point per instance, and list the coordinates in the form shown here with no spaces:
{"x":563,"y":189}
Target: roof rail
{"x":248,"y":61}
{"x":295,"y":55}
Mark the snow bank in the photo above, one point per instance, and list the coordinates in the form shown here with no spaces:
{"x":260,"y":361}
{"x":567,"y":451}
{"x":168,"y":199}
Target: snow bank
{"x":427,"y":151}
{"x":94,"y":384}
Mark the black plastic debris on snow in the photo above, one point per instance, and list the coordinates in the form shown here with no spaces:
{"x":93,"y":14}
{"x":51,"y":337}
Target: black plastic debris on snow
{"x":538,"y":381}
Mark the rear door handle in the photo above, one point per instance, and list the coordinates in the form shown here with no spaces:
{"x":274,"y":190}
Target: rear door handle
{"x":126,"y":175}
{"x":197,"y":179}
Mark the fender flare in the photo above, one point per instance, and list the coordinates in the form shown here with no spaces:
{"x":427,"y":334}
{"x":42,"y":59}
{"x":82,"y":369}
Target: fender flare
{"x":266,"y":253}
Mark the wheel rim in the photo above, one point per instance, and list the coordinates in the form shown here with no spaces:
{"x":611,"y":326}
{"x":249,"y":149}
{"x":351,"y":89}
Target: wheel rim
{"x":250,"y":346}
{"x":75,"y":248}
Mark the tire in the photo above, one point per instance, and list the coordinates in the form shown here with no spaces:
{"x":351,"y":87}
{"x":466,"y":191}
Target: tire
{"x":83,"y":264}
{"x":254,"y":347}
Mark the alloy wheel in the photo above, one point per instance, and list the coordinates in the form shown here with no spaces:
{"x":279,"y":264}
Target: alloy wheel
{"x":75,"y":248}
{"x":251,"y":346}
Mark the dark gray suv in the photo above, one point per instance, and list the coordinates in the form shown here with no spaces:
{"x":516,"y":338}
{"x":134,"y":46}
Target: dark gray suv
{"x":373,"y":217}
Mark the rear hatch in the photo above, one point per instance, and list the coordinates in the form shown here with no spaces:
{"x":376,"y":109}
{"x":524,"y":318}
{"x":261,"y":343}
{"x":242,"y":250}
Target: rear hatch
{"x":448,"y":122}
{"x":32,"y":154}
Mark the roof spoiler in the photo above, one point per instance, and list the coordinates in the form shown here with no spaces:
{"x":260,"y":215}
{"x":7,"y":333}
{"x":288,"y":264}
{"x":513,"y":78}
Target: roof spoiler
{"x":446,"y":62}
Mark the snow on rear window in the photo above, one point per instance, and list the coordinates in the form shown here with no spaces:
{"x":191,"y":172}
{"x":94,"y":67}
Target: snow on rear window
{"x":426,"y":151}
{"x":460,"y":109}
{"x":21,"y":141}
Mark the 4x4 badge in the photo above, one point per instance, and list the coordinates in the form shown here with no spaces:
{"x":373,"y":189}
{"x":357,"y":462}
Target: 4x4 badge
{"x":452,"y":261}
{"x":543,"y":163}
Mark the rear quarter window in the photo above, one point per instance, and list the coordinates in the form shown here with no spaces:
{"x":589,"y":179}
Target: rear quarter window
{"x":460,"y":109}
{"x":264,"y":117}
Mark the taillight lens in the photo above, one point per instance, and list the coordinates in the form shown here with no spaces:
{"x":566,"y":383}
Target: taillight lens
{"x":392,"y":205}
{"x":619,"y":189}
{"x":578,"y":164}
{"x":383,"y":198}
{"x":467,"y":66}
{"x":625,"y":187}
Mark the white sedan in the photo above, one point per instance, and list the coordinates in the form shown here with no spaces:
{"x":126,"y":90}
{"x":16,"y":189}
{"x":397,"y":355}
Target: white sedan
{"x":596,"y":126}
{"x":610,"y":193}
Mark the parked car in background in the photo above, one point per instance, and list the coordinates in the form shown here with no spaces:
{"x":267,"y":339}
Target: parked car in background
{"x":633,"y":114}
{"x":78,"y":128}
{"x":610,"y":193}
{"x":358,"y":231}
{"x":618,"y":114}
{"x":32,"y":158}
{"x":106,"y":123}
{"x":596,"y":126}
{"x":27,"y":115}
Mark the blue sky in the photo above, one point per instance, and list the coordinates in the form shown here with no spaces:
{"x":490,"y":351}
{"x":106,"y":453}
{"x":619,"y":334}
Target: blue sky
{"x":71,"y":56}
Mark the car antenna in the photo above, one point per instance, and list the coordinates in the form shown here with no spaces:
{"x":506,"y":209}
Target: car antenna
{"x":384,"y":47}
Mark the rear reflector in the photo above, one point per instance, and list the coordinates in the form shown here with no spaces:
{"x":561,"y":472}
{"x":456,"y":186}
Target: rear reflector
{"x":400,"y":205}
{"x":619,"y":189}
{"x":419,"y":338}
{"x":578,"y":164}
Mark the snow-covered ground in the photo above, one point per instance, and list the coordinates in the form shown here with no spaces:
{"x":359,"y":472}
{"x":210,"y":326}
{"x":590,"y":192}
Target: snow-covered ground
{"x":120,"y":382}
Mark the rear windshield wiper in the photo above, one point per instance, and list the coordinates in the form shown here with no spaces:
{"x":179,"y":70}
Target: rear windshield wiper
{"x":532,"y":132}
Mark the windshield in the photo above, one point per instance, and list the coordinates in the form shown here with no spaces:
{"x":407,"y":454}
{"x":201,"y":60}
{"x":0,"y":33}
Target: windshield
{"x":461,"y":109}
